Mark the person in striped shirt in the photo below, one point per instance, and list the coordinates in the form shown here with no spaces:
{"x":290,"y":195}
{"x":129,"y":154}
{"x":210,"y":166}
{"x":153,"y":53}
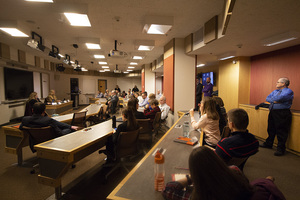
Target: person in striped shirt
{"x":241,"y":143}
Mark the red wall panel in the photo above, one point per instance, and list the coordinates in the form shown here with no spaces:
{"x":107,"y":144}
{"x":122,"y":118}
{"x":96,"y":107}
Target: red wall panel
{"x":143,"y":81}
{"x":168,"y":81}
{"x":267,"y":68}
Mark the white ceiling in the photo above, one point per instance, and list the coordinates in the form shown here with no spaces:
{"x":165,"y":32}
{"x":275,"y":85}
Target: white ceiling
{"x":252,"y":21}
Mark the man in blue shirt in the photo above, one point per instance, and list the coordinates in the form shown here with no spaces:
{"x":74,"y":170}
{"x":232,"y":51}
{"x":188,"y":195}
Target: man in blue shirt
{"x":145,"y":100}
{"x":208,"y":88}
{"x":280,"y":116}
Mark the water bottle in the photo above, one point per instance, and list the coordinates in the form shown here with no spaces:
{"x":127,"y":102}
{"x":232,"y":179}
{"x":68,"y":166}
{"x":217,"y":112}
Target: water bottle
{"x":186,"y":129}
{"x":159,"y":171}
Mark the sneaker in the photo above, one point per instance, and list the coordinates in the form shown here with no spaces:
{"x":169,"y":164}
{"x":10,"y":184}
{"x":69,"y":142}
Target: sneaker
{"x":279,"y":153}
{"x":265,"y":146}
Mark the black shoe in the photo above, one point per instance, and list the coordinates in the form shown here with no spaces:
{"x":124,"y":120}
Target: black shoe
{"x":265,"y":146}
{"x":279,"y":153}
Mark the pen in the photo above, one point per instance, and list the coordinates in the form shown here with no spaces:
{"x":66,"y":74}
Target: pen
{"x":182,"y":168}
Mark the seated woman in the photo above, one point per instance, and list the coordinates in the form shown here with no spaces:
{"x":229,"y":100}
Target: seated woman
{"x":212,"y":179}
{"x":222,"y":113}
{"x":33,"y":98}
{"x":209,"y":121}
{"x":151,"y":113}
{"x":51,"y":97}
{"x":151,"y":96}
{"x":129,"y":124}
{"x":133,"y":104}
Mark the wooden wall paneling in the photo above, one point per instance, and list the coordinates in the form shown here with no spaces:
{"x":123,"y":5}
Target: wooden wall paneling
{"x":169,"y":81}
{"x":21,"y":56}
{"x":244,"y":79}
{"x":293,"y":141}
{"x":4,"y":51}
{"x":143,"y":80}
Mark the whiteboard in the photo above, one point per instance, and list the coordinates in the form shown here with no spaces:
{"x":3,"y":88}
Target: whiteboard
{"x":89,"y":86}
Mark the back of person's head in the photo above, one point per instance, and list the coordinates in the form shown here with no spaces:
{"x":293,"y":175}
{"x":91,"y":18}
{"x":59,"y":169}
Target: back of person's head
{"x":39,"y":108}
{"x":239,"y":118}
{"x":132,"y":103}
{"x":285,"y":80}
{"x":151,"y":96}
{"x":131,"y":120}
{"x":153,"y":102}
{"x":209,"y":108}
{"x":213,"y":180}
{"x":219,"y":101}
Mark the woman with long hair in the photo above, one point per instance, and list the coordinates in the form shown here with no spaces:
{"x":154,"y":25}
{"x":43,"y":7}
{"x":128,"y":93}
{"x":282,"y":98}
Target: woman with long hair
{"x":209,"y":121}
{"x":213,"y":180}
{"x":32,"y":99}
{"x":129,"y":124}
{"x":133,"y":104}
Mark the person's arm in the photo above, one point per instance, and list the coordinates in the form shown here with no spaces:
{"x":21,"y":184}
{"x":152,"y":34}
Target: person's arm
{"x":164,"y":112}
{"x":201,"y":123}
{"x":145,"y":102}
{"x":270,"y":96}
{"x":285,"y":95}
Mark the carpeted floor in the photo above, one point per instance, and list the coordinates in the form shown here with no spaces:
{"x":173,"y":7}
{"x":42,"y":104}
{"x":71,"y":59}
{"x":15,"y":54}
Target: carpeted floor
{"x":86,"y":180}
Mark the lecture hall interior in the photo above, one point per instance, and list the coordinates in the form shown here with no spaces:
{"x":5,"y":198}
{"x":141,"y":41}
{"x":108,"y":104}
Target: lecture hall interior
{"x":246,"y":46}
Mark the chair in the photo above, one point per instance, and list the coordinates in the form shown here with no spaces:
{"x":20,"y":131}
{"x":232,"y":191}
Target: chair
{"x":156,"y":123}
{"x":79,"y":119}
{"x":127,"y":146}
{"x":226,"y":132}
{"x":37,"y":136}
{"x":145,"y":135}
{"x":99,"y":117}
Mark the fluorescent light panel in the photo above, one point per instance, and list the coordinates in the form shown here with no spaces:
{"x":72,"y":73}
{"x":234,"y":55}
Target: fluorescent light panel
{"x":61,"y":55}
{"x":102,"y":63}
{"x":131,"y":67}
{"x":92,"y":46}
{"x":44,"y":1}
{"x":78,"y":19}
{"x":105,"y":67}
{"x":225,"y":58}
{"x":99,"y":56}
{"x":14,"y":32}
{"x":280,"y":41}
{"x":129,"y":70}
{"x":106,"y":70}
{"x":101,"y":70}
{"x":145,"y":48}
{"x":125,"y":72}
{"x":158,"y":29}
{"x":84,"y":69}
{"x":133,"y":63}
{"x":137,"y":57}
{"x":200,"y":65}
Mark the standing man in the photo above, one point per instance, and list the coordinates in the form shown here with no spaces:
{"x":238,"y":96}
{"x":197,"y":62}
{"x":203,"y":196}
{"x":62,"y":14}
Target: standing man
{"x":158,"y":95}
{"x":280,"y":116}
{"x":112,"y":104}
{"x":208,"y":88}
{"x":198,"y":93}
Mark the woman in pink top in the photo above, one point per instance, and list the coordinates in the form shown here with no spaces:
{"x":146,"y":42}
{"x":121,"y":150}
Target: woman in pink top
{"x":209,"y":121}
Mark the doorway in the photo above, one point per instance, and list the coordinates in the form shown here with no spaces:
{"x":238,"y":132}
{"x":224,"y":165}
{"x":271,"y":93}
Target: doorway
{"x":102,"y":85}
{"x":74,"y":90}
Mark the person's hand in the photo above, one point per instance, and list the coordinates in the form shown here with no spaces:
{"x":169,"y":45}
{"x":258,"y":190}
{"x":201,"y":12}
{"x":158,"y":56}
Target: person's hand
{"x":147,"y":106}
{"x":191,"y":112}
{"x":75,"y":128}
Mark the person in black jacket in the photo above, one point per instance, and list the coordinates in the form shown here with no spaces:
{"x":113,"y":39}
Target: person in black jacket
{"x":39,"y":120}
{"x":113,"y":102}
{"x":198,"y":93}
{"x":133,"y":104}
{"x":33,"y":98}
{"x":129,"y":124}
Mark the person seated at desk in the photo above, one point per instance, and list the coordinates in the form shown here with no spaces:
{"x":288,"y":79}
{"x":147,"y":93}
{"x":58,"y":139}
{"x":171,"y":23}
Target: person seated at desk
{"x":211,"y":179}
{"x":151,"y":113}
{"x":33,"y":98}
{"x":112,"y":103}
{"x":99,"y":95}
{"x":106,"y":93}
{"x":242,"y":143}
{"x":39,"y":120}
{"x":151,"y":96}
{"x":51,"y":97}
{"x":144,"y":101}
{"x":209,"y":121}
{"x":129,"y":124}
{"x":133,"y":104}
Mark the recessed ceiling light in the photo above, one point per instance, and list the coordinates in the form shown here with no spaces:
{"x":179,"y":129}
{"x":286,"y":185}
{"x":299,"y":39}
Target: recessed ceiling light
{"x":131,"y":67}
{"x":125,"y":72}
{"x":72,"y":62}
{"x":61,"y":55}
{"x":145,"y":48}
{"x":137,"y":57}
{"x":92,"y":46}
{"x":133,"y":63}
{"x":105,"y":67}
{"x":101,"y":71}
{"x":84,"y":69}
{"x":200,"y":65}
{"x":14,"y":32}
{"x":159,"y":29}
{"x":99,"y":56}
{"x":102,"y":63}
{"x":106,"y":70}
{"x":129,"y":70}
{"x":78,"y":19}
{"x":225,"y":58}
{"x":44,"y":1}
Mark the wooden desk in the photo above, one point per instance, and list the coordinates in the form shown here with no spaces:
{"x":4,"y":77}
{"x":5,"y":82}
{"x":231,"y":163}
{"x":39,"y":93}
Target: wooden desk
{"x":59,"y":108}
{"x":139,"y":183}
{"x":17,"y":139}
{"x":94,"y":100}
{"x":56,"y":156}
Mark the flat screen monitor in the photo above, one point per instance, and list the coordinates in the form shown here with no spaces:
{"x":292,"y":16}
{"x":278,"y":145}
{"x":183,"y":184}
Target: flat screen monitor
{"x":205,"y":75}
{"x":18,"y":83}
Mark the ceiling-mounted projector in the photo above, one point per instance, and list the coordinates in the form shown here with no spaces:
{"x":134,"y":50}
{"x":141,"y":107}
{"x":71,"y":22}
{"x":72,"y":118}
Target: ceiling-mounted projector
{"x":35,"y":45}
{"x":117,"y":71}
{"x":116,"y":53}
